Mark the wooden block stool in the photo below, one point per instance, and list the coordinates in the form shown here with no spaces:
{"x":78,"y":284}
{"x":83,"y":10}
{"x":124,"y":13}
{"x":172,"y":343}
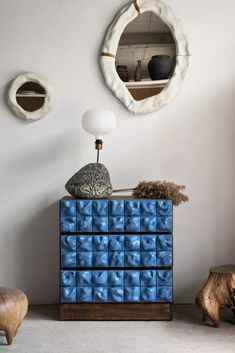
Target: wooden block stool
{"x":217,"y":293}
{"x":13,"y":308}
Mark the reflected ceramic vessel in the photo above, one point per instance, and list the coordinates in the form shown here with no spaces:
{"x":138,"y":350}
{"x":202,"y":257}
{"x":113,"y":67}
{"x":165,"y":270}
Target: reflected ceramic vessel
{"x":123,"y":73}
{"x":160,"y":67}
{"x":138,"y":71}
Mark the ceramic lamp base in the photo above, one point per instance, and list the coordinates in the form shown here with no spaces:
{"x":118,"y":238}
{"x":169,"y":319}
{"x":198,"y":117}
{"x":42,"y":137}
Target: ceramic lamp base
{"x":91,"y":181}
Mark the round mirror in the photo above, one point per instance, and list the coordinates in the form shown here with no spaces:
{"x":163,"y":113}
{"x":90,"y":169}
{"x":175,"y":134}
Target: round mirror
{"x":145,"y":55}
{"x":30,"y":96}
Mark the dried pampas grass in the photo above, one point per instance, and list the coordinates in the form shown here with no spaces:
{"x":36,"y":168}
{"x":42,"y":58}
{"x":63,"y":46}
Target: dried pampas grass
{"x":161,"y":190}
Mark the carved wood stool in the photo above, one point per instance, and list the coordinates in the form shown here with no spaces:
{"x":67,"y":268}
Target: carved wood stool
{"x":217,"y":293}
{"x":13,"y":308}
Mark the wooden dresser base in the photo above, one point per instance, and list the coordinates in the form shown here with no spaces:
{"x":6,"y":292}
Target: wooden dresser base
{"x":109,"y":311}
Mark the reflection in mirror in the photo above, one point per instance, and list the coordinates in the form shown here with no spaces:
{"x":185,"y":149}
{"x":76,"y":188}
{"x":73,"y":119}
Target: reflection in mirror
{"x":30,"y":96}
{"x":145,"y":58}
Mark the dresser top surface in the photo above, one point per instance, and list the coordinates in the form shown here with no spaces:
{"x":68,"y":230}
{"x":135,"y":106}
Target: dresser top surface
{"x":119,"y":197}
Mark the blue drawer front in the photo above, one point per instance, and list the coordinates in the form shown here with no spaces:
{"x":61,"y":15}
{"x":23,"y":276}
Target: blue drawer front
{"x":116,"y":286}
{"x":102,"y":264}
{"x":116,"y":278}
{"x":116,"y":216}
{"x":116,"y":250}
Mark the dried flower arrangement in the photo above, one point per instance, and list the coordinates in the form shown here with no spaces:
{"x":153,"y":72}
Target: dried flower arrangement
{"x":159,"y":190}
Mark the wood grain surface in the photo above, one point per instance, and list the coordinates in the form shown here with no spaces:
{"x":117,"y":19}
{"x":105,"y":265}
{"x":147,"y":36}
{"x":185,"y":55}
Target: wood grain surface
{"x":120,"y":311}
{"x":13,"y":308}
{"x":218,"y":292}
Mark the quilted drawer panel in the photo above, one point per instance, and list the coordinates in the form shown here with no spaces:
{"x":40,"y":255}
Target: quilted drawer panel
{"x":68,"y":294}
{"x":68,"y":224}
{"x":100,"y":208}
{"x":148,"y":250}
{"x":117,"y":216}
{"x":68,"y":278}
{"x":116,"y":286}
{"x":68,"y":208}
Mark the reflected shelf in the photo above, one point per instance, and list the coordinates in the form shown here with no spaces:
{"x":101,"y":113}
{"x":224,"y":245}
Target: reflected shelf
{"x":146,"y":84}
{"x":30,"y":95}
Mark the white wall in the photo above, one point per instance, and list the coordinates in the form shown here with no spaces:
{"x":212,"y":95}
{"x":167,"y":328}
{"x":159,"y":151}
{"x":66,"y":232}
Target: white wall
{"x":191,"y":141}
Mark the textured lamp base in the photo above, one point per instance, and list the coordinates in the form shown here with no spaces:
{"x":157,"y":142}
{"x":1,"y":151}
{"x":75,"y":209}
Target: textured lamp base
{"x":92,"y":181}
{"x":112,"y":312}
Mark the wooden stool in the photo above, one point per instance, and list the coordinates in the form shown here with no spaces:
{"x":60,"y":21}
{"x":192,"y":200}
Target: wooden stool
{"x":13,"y":308}
{"x":218,"y":292}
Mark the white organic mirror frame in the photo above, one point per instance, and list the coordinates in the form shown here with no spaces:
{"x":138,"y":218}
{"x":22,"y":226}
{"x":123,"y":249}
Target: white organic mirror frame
{"x":110,"y":46}
{"x":17,"y":109}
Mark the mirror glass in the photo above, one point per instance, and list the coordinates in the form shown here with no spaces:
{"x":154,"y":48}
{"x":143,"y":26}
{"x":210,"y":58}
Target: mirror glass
{"x":30,"y":96}
{"x":145,"y":58}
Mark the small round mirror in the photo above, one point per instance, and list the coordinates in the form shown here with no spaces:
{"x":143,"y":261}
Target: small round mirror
{"x":30,"y":97}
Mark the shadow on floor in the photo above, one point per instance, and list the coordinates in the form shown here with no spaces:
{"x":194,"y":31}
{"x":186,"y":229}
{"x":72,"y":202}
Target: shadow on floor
{"x":193,"y":315}
{"x":44,"y":311}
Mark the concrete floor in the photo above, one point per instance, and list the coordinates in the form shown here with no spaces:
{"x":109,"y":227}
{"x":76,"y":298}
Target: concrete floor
{"x":42,"y":332}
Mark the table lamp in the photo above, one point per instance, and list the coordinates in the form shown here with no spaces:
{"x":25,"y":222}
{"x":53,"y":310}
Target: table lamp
{"x":93,"y":180}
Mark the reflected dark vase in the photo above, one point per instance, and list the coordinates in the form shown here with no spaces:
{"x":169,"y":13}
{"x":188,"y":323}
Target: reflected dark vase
{"x":160,"y":67}
{"x":123,"y":73}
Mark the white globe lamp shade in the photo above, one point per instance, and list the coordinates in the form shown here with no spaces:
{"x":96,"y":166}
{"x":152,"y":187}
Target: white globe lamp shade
{"x":98,"y":122}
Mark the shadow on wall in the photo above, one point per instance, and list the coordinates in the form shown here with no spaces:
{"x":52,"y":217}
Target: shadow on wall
{"x":30,"y":185}
{"x":38,"y":255}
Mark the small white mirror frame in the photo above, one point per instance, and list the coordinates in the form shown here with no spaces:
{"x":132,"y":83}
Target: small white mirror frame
{"x":17,"y":109}
{"x":110,"y":46}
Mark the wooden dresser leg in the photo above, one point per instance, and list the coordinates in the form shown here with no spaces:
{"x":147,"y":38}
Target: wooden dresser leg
{"x":10,"y":334}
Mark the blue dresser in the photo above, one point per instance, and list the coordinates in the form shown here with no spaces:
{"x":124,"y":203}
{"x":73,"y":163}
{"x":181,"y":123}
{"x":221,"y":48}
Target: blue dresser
{"x":116,"y":259}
